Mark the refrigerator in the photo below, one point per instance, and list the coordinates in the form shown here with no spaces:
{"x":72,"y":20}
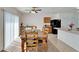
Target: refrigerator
{"x":55,"y":23}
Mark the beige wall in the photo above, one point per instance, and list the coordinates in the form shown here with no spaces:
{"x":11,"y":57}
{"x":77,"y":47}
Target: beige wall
{"x":1,"y":29}
{"x":37,"y":19}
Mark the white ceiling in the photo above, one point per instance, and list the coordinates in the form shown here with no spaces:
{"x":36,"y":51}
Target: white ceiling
{"x":50,"y":9}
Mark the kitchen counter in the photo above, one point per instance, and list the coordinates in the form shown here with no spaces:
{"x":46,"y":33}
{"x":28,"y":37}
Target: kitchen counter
{"x":71,"y":37}
{"x":74,"y":31}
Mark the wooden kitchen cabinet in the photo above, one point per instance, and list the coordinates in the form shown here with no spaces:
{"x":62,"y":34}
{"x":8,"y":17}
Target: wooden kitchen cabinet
{"x":47,"y":19}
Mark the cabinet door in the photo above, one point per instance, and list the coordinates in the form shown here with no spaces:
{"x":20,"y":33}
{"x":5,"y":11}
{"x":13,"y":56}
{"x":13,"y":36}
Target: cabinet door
{"x":47,"y":19}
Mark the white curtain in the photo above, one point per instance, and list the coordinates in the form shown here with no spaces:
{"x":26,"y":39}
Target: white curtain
{"x":11,"y":28}
{"x":16,"y":27}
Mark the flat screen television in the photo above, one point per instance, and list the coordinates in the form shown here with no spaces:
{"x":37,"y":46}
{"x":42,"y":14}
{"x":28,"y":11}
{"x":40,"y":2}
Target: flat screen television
{"x":56,"y":23}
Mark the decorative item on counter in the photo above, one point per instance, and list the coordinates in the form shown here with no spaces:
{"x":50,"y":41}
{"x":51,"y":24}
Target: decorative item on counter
{"x":71,"y":26}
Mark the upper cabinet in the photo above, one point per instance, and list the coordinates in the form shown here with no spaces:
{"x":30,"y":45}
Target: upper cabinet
{"x":47,"y":19}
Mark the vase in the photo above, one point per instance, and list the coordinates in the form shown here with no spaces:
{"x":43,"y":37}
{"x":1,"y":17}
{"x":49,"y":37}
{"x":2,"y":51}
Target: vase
{"x":70,"y":28}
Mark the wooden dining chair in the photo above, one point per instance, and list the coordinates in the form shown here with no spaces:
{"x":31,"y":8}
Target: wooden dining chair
{"x":45,"y":37}
{"x":23,"y":40}
{"x":32,"y":41}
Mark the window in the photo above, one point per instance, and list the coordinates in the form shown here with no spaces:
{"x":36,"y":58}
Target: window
{"x":11,"y":28}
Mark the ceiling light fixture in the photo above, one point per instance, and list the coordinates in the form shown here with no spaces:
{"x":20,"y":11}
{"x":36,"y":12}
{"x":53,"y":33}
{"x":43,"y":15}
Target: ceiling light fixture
{"x":33,"y":10}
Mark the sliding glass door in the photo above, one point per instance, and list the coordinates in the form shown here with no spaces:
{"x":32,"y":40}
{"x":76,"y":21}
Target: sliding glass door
{"x":11,"y":28}
{"x":16,"y":27}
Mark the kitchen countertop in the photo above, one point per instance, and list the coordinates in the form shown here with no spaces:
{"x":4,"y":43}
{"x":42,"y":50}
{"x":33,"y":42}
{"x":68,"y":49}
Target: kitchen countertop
{"x":74,"y":31}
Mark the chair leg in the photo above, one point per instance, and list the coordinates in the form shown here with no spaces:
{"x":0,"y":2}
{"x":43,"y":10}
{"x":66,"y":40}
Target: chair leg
{"x":45,"y":47}
{"x":22,"y":45}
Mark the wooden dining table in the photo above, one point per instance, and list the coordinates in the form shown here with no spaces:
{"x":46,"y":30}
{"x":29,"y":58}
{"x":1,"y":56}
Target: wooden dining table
{"x":36,"y":39}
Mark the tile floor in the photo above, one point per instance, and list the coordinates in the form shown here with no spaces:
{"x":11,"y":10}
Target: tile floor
{"x":54,"y":45}
{"x":15,"y":47}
